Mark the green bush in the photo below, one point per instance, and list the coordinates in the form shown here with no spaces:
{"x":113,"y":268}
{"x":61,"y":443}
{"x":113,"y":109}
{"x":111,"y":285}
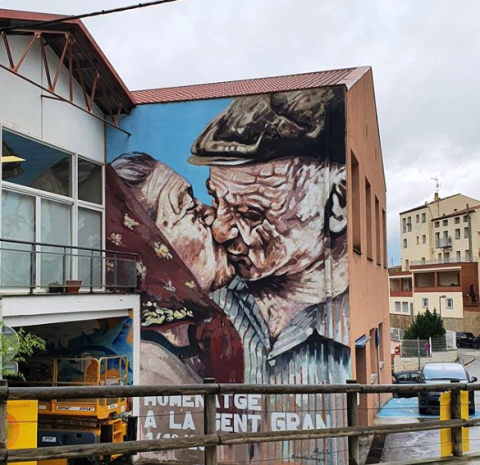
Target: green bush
{"x":425,"y":325}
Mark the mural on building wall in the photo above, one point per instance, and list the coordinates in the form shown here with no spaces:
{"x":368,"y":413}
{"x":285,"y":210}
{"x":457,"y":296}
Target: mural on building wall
{"x":108,"y":337}
{"x":248,"y":283}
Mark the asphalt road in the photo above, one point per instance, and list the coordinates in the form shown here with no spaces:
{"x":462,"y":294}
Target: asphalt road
{"x":423,"y":444}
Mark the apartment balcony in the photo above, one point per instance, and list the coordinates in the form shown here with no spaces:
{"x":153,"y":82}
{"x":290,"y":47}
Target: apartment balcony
{"x":443,"y":261}
{"x":39,"y":268}
{"x":404,"y":293}
{"x":444,"y":243}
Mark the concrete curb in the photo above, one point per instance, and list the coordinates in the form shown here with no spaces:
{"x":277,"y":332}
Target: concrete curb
{"x":466,"y":360}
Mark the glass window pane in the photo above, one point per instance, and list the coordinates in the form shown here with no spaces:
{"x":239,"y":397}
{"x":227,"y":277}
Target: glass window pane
{"x":89,"y":181}
{"x":18,"y":223}
{"x":90,"y":235}
{"x":55,"y":229}
{"x":29,"y":163}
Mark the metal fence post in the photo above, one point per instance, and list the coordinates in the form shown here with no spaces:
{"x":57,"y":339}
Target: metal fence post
{"x":456,"y":414}
{"x":209,"y":423}
{"x":3,"y":420}
{"x":352,"y":420}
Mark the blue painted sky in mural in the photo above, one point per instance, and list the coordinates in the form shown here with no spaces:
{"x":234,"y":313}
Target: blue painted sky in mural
{"x":172,"y":130}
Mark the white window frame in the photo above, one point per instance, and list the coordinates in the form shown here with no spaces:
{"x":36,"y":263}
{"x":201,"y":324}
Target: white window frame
{"x":404,"y":305}
{"x":449,"y":303}
{"x":398,"y":307}
{"x":424,"y":302}
{"x":73,"y":201}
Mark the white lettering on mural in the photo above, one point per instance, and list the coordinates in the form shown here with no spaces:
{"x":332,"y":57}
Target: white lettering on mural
{"x":176,"y":416}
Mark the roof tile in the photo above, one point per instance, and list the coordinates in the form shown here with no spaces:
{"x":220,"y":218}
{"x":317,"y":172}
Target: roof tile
{"x":247,"y":87}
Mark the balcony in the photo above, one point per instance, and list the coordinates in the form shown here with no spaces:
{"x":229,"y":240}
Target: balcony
{"x":443,"y":243}
{"x":48,"y":268}
{"x":444,"y":261}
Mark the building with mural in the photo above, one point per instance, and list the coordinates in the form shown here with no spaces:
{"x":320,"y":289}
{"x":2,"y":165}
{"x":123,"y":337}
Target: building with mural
{"x":439,"y":271}
{"x":255,"y":212}
{"x":258,"y":210}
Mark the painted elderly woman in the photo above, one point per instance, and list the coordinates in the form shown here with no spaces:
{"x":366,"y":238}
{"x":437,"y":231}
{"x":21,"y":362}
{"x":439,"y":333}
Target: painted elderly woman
{"x":152,"y":212}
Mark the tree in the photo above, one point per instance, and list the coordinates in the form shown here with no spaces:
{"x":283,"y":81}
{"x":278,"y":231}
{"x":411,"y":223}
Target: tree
{"x":26,"y":345}
{"x":426,"y":325}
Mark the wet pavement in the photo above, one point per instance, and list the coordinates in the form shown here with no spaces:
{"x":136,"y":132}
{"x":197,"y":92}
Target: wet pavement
{"x":424,"y":444}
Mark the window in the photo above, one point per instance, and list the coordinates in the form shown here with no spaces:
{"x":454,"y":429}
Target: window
{"x":409,"y":223}
{"x":397,"y":307}
{"x":445,"y":222}
{"x":465,"y":219}
{"x":31,"y":164}
{"x":418,"y":240}
{"x":356,"y":209}
{"x":404,"y":225}
{"x":368,"y":211}
{"x":89,"y":181}
{"x":405,"y":307}
{"x":450,"y":304}
{"x":457,"y":220}
{"x":19,"y":223}
{"x":437,"y":239}
{"x":384,"y":238}
{"x":42,"y":201}
{"x":459,"y":256}
{"x":457,"y":234}
{"x":424,"y":217}
{"x":467,"y":255}
{"x":425,"y":303}
{"x":424,"y":239}
{"x":437,"y":224}
{"x":424,"y":261}
{"x":465,"y":233}
{"x":407,"y":264}
{"x":404,"y":243}
{"x":417,"y":219}
{"x":446,"y":257}
{"x":378,"y":239}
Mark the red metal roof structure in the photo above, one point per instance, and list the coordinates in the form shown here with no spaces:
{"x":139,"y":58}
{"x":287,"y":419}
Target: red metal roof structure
{"x":346,"y":77}
{"x":77,"y":51}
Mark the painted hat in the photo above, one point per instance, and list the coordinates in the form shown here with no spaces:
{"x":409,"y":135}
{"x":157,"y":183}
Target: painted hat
{"x":258,"y":128}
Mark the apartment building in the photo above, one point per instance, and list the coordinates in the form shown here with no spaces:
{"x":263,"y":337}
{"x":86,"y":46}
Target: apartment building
{"x":439,"y":270}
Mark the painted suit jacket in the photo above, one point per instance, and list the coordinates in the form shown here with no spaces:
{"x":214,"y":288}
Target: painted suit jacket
{"x":312,"y":349}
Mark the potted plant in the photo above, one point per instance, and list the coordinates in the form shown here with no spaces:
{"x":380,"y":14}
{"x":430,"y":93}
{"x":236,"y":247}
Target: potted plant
{"x":73,"y":286}
{"x":55,"y":288}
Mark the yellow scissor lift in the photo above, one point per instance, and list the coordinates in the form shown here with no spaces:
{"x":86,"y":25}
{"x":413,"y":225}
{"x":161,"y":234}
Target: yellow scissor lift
{"x":82,"y":421}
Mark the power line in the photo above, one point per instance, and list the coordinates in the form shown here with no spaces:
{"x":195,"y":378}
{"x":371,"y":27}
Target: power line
{"x":86,"y":15}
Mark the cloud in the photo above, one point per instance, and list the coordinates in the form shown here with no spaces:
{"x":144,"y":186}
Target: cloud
{"x":423,"y":56}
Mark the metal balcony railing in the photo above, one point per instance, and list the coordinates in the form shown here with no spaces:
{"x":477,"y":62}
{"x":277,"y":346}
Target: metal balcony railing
{"x":443,"y":261}
{"x":40,"y":267}
{"x":443,"y":242}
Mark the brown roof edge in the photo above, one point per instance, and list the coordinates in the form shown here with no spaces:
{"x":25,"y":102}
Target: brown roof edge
{"x":346,"y":76}
{"x":29,"y":16}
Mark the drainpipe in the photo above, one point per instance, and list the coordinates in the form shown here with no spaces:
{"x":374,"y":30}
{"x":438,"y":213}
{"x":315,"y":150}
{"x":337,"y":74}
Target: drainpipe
{"x":469,"y":223}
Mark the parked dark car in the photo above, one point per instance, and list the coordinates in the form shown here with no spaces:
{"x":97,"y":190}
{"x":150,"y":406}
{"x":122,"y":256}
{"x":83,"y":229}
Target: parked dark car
{"x":464,"y":339}
{"x":438,"y":373}
{"x":406,"y":377}
{"x":476,"y":342}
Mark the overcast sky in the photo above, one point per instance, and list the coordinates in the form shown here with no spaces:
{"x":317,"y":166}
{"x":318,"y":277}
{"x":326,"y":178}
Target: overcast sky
{"x":424,"y":56}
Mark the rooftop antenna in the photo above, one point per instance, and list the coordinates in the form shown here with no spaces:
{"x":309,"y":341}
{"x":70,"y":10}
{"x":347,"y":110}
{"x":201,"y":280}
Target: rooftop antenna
{"x":436,"y":196}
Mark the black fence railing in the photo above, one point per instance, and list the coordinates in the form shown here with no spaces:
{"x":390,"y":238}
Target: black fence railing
{"x":37,"y":266}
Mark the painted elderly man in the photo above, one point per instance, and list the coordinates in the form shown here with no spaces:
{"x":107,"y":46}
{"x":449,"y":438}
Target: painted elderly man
{"x":278,"y":180}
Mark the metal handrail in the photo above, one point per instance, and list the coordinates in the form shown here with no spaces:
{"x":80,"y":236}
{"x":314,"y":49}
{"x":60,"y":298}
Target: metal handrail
{"x":74,"y":254}
{"x":44,"y":244}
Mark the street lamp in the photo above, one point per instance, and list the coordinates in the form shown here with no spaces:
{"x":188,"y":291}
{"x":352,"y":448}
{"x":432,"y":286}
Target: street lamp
{"x":440,"y":303}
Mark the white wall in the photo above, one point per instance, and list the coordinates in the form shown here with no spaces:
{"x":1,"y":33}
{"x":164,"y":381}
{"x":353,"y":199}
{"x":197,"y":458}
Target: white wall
{"x":433,"y":302}
{"x":22,"y":107}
